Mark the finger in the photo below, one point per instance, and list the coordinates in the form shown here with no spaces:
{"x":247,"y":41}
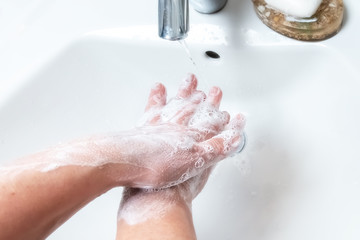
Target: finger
{"x":185,"y":114}
{"x":198,"y":97}
{"x":183,"y":117}
{"x":219,"y":121}
{"x":209,"y":122}
{"x":238,"y":123}
{"x":187,"y":87}
{"x":157,"y":97}
{"x":225,"y":143}
{"x":214,"y":97}
{"x":226,"y":119}
{"x":155,"y":119}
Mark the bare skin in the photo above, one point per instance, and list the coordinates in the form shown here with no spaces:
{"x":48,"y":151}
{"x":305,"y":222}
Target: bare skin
{"x":42,"y":191}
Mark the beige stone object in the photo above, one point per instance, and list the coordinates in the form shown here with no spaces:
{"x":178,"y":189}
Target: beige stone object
{"x":325,"y":23}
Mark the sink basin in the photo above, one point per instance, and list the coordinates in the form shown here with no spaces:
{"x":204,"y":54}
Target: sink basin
{"x":298,"y":177}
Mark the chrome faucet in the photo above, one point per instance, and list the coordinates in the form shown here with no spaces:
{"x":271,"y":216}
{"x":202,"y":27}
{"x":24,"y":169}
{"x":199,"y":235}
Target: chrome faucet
{"x":174,"y":16}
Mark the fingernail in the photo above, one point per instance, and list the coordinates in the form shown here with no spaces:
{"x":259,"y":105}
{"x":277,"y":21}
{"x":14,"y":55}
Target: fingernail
{"x":189,"y":79}
{"x":156,"y":86}
{"x":214,"y":91}
{"x":241,"y":117}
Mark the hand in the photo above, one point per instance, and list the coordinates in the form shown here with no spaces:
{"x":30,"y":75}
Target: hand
{"x":169,"y":209}
{"x":179,"y":139}
{"x":175,"y":141}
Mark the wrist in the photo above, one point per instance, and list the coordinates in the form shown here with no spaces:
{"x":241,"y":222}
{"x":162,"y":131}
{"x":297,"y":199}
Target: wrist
{"x":162,"y":214}
{"x":140,"y":205}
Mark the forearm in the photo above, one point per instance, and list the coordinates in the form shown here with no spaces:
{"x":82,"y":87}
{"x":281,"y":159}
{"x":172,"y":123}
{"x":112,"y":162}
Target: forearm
{"x":33,"y":203}
{"x":41,"y":191}
{"x":157,"y":215}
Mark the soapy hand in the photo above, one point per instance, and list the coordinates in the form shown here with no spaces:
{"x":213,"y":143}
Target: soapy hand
{"x":174,"y":141}
{"x":177,"y":140}
{"x":205,"y":137}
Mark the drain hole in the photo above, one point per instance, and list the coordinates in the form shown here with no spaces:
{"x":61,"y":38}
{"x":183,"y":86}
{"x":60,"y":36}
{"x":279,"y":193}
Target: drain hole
{"x":212,"y":54}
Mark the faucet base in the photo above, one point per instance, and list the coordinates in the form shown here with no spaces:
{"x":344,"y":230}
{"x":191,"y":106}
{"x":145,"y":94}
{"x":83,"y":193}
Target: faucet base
{"x":208,"y":6}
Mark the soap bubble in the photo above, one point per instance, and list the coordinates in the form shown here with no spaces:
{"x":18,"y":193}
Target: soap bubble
{"x":184,"y":177}
{"x":199,"y":163}
{"x":209,"y":149}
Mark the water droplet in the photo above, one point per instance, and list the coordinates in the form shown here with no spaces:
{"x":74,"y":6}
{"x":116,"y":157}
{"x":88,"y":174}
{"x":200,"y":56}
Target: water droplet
{"x":185,"y":46}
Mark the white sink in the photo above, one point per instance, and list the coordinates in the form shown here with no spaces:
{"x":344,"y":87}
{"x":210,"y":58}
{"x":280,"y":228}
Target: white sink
{"x":298,"y":177}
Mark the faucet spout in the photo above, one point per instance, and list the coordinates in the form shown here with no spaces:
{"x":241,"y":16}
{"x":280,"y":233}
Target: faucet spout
{"x":173,"y":19}
{"x":174,"y":16}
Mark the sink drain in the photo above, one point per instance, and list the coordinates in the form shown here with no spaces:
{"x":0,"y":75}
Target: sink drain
{"x":212,"y":54}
